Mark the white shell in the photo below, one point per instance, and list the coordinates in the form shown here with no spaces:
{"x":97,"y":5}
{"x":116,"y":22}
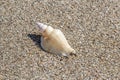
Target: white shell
{"x":54,"y":41}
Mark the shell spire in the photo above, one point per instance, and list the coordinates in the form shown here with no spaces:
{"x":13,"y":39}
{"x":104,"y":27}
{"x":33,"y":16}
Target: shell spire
{"x":42,"y":27}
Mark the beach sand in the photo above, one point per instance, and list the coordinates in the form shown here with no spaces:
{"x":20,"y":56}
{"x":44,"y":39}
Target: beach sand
{"x":92,"y":28}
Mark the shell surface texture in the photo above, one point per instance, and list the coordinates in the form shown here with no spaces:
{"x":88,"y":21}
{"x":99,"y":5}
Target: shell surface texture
{"x":54,"y":41}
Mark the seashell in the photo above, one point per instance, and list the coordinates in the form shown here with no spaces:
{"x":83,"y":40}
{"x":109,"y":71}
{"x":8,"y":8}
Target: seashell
{"x":54,"y":41}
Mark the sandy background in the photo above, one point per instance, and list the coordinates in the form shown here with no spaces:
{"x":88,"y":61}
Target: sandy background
{"x":92,"y":27}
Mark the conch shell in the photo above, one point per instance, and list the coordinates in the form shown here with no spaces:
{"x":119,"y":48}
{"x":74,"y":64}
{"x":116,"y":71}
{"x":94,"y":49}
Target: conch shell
{"x":54,"y":41}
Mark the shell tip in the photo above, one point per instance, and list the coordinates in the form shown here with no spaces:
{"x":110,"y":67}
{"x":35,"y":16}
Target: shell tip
{"x":41,"y":26}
